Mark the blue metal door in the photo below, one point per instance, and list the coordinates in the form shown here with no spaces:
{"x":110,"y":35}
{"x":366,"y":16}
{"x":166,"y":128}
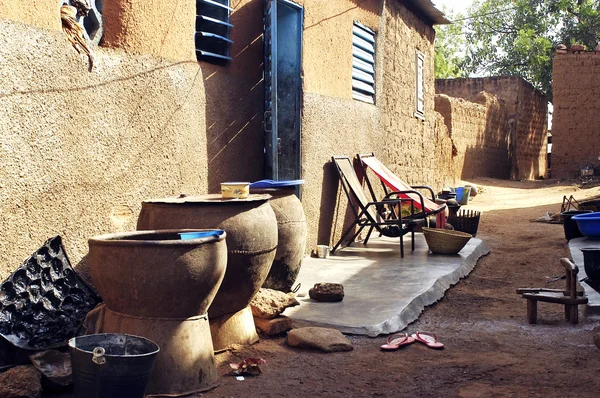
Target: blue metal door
{"x":283,"y":86}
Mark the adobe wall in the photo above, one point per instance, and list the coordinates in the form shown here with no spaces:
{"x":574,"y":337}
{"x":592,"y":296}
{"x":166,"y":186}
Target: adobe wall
{"x":478,"y":131}
{"x":575,"y":127}
{"x":335,"y":124}
{"x":80,"y":150}
{"x":525,"y":105}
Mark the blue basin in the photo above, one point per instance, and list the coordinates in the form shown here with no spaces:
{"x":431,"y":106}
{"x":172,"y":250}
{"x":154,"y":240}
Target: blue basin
{"x":589,"y":224}
{"x":213,"y":233}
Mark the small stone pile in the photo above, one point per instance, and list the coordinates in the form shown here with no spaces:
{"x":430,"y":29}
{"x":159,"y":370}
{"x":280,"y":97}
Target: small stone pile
{"x":267,"y":306}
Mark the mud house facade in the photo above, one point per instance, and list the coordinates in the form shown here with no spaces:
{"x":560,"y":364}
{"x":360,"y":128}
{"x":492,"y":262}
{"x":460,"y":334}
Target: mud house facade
{"x":575,"y":129}
{"x":510,"y":126}
{"x":165,"y":111}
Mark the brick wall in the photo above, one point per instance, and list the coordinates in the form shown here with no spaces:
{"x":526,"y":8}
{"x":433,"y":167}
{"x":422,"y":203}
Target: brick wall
{"x":478,"y":132}
{"x":525,"y":106}
{"x":575,"y":128}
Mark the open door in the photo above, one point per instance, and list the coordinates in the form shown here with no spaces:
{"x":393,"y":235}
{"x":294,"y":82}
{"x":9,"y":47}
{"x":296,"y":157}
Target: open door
{"x":283,"y":89}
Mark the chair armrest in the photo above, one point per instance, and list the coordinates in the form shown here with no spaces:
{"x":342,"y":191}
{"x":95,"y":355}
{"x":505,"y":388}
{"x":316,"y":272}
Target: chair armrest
{"x":427,"y":187}
{"x":421,"y":200}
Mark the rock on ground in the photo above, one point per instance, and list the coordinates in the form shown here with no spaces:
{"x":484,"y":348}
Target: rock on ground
{"x":596,"y":334}
{"x":328,"y":292}
{"x":324,"y":339}
{"x":269,"y":303}
{"x":21,"y":382}
{"x":275,"y":326}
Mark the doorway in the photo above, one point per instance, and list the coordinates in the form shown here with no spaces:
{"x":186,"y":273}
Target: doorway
{"x":283,"y":89}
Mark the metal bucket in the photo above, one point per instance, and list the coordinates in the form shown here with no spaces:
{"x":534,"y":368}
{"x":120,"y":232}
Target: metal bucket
{"x":111,"y":365}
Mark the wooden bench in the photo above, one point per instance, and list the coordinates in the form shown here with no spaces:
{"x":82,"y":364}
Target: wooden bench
{"x":569,"y":297}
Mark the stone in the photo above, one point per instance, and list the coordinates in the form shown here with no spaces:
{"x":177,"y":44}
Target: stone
{"x":327,"y":292}
{"x":323,"y":339}
{"x":275,"y":326}
{"x":269,"y":303}
{"x":596,"y":334}
{"x":21,"y":382}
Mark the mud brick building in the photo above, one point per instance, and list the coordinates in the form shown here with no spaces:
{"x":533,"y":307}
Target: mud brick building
{"x":575,"y":127}
{"x":525,"y":132}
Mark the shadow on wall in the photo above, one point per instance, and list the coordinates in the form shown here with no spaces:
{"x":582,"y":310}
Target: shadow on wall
{"x":493,"y":151}
{"x":234,"y":104}
{"x":331,"y":197}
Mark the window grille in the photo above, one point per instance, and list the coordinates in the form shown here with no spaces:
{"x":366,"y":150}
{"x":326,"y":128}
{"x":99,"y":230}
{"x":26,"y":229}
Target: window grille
{"x":363,"y":63}
{"x":213,"y":29}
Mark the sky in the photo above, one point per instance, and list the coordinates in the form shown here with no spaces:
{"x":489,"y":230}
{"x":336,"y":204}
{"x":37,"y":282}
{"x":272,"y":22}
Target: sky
{"x":456,"y":5}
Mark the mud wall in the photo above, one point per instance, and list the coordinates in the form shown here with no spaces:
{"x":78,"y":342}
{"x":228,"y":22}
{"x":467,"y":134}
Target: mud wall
{"x":478,"y":132}
{"x":575,"y":128}
{"x":80,"y":150}
{"x":335,"y":124}
{"x":525,"y":106}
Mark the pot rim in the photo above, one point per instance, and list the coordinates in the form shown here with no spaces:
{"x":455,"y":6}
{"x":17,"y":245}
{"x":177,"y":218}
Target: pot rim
{"x":121,"y":238}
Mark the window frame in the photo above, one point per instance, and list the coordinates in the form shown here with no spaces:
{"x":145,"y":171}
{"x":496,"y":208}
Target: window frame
{"x":212,"y":33}
{"x":363,"y":63}
{"x":419,"y":85}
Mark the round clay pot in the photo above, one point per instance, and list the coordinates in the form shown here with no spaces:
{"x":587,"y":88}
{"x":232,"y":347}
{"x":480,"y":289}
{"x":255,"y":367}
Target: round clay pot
{"x":156,"y":274}
{"x":251,"y":229}
{"x":291,"y":244}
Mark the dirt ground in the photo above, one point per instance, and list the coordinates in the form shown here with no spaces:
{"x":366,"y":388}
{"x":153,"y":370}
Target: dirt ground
{"x":490,"y":351}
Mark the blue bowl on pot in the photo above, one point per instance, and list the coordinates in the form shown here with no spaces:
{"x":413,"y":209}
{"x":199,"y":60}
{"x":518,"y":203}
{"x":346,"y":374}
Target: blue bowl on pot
{"x":589,"y":224}
{"x":213,"y":233}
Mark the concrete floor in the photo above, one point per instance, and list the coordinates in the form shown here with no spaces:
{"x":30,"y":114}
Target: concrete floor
{"x":592,"y":290}
{"x":383,"y":292}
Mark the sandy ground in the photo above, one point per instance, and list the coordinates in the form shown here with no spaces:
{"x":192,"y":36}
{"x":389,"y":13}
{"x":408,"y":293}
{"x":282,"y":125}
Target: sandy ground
{"x":490,"y":351}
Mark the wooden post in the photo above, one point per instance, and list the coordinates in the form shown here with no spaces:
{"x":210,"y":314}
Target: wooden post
{"x":532,"y":311}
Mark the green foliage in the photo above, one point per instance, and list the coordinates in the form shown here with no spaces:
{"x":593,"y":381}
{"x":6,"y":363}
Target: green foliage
{"x":449,"y":49}
{"x":517,"y":37}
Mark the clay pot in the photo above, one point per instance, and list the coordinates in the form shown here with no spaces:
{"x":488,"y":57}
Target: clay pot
{"x":251,"y":229}
{"x":291,"y":244}
{"x":156,"y":274}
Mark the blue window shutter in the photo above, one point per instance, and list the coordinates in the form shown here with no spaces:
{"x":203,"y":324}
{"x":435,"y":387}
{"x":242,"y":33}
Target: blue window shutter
{"x":363,"y":63}
{"x":213,"y":28}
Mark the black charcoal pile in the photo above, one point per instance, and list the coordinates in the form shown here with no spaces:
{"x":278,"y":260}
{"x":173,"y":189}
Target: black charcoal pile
{"x":43,"y":302}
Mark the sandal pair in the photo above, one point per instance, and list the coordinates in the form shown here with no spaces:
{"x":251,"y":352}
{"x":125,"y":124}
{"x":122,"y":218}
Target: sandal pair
{"x":395,"y":341}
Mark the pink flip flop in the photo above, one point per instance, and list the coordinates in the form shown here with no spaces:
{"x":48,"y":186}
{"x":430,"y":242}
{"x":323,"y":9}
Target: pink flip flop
{"x":396,"y":341}
{"x":429,"y":339}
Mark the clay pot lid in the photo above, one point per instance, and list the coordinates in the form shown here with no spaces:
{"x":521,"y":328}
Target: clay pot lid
{"x":209,"y":198}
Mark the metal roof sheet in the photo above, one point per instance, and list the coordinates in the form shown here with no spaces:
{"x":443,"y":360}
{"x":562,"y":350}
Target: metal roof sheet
{"x":428,"y":10}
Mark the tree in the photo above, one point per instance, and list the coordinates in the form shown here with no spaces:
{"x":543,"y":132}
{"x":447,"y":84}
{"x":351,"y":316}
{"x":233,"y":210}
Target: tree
{"x":518,"y":37}
{"x":449,"y":48}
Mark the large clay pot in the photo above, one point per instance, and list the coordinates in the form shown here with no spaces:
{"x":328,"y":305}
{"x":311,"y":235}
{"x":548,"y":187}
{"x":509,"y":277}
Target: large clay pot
{"x":160,"y":287}
{"x":156,"y":274}
{"x":291,"y":243}
{"x":251,"y":229}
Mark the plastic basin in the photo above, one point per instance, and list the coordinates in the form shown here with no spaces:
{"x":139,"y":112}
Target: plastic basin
{"x":215,"y":233}
{"x":589,"y":224}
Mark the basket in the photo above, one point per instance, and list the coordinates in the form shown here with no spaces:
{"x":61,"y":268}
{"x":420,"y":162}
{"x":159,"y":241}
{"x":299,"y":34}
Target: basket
{"x":465,"y":221}
{"x":443,"y":241}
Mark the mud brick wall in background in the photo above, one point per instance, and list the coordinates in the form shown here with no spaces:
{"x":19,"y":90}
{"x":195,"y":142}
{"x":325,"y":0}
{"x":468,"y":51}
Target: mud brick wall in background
{"x":525,"y":106}
{"x":478,"y":132}
{"x":575,"y":126}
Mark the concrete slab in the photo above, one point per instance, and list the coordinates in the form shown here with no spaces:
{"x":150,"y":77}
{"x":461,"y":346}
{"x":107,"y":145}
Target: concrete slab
{"x":591,"y":289}
{"x":383,"y":292}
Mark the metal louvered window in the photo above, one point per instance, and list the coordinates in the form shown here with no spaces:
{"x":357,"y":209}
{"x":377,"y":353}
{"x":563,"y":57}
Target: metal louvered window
{"x":212,"y":30}
{"x":363,"y":63}
{"x":420,"y":84}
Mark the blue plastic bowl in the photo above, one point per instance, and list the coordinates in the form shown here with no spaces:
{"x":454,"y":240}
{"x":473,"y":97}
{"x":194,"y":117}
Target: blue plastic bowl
{"x":213,"y":233}
{"x":589,"y":224}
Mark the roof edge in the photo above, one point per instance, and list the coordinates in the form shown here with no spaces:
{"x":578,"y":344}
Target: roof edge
{"x":428,"y":10}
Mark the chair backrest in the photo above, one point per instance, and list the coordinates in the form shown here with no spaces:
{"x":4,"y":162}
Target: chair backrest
{"x":393,"y":182}
{"x":352,"y":186}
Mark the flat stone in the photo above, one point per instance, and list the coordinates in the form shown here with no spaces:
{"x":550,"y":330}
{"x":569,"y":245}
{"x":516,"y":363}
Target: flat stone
{"x":275,"y":326}
{"x":21,"y":382}
{"x":323,"y":339}
{"x":328,"y":292}
{"x":269,"y":303}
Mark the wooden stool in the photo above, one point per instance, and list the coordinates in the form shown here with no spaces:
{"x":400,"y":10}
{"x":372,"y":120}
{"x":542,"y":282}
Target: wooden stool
{"x":570,"y":297}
